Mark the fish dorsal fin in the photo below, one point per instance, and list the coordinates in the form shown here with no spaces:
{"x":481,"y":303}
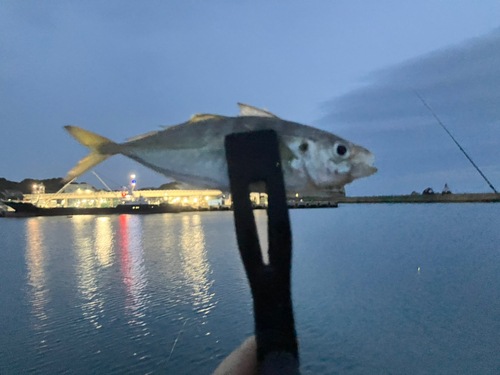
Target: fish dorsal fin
{"x":137,"y":137}
{"x":249,"y":110}
{"x":203,"y":117}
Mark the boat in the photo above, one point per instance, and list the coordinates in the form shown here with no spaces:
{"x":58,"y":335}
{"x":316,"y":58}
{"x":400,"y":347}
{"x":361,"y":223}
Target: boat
{"x":25,"y":209}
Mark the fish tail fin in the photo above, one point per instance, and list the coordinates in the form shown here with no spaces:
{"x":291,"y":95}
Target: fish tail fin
{"x":92,"y":141}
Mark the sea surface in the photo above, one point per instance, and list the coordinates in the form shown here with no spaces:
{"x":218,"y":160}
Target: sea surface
{"x":377,"y":289}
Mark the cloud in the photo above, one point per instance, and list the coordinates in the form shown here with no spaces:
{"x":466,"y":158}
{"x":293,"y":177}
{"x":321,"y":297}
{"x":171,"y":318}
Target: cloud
{"x":460,"y":82}
{"x":461,"y":85}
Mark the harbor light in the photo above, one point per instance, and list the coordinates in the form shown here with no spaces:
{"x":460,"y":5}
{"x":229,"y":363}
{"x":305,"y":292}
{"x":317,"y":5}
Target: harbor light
{"x":132,"y":176}
{"x":297,"y":195}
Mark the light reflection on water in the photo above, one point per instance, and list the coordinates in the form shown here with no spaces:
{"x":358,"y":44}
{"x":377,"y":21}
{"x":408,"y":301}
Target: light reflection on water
{"x":195,"y":264}
{"x":92,"y":304}
{"x":133,"y":269}
{"x":104,"y":241}
{"x":37,"y":279}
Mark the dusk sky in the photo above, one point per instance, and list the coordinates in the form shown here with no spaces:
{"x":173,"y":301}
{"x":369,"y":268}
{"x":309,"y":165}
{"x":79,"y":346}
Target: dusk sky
{"x":123,"y":68}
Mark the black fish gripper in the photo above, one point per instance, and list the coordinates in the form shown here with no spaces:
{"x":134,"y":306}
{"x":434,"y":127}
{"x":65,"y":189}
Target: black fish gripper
{"x":254,"y":157}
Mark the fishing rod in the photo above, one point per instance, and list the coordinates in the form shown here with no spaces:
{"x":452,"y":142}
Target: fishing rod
{"x":454,"y":140}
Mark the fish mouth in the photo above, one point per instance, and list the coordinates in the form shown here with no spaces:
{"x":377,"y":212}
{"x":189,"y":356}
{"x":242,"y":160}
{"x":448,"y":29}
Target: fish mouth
{"x":363,"y":170}
{"x":362,"y":163}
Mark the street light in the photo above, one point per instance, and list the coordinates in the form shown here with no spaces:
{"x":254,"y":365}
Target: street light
{"x":133,"y":181}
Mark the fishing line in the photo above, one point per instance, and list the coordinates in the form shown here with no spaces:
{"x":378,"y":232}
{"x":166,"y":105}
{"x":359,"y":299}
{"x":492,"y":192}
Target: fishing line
{"x":177,"y":338}
{"x":454,"y":140}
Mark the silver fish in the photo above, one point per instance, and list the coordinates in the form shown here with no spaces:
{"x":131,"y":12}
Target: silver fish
{"x":313,"y":160}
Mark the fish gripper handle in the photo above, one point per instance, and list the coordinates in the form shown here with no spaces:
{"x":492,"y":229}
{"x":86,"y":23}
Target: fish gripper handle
{"x":254,"y":157}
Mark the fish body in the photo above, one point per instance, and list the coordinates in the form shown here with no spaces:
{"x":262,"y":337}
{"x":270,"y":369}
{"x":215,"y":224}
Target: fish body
{"x":193,"y":152}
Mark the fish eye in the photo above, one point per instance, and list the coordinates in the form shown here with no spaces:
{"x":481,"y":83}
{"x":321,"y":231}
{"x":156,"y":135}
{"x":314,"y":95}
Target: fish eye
{"x":304,"y":147}
{"x":341,"y":150}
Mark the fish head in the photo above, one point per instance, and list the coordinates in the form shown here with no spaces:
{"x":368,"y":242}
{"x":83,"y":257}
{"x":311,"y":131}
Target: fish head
{"x":327,"y":162}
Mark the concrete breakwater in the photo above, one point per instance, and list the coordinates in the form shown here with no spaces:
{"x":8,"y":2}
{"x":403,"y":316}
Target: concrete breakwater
{"x":430,"y":198}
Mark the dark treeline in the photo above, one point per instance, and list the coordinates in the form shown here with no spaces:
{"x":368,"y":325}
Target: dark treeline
{"x":168,"y":186}
{"x":52,"y":185}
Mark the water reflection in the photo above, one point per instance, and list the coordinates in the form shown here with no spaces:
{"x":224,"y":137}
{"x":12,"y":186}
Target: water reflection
{"x":168,"y":237}
{"x":132,"y":265}
{"x":93,"y":305}
{"x":103,"y":241}
{"x":37,"y":278}
{"x":195,"y":264}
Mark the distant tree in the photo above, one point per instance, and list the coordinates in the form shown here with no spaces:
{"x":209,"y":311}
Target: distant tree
{"x":174,"y":185}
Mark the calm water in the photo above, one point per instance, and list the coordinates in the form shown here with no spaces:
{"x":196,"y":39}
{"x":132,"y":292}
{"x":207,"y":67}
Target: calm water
{"x":168,"y":293}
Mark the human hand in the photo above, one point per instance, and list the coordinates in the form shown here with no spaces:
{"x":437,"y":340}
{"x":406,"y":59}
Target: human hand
{"x":242,"y":361}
